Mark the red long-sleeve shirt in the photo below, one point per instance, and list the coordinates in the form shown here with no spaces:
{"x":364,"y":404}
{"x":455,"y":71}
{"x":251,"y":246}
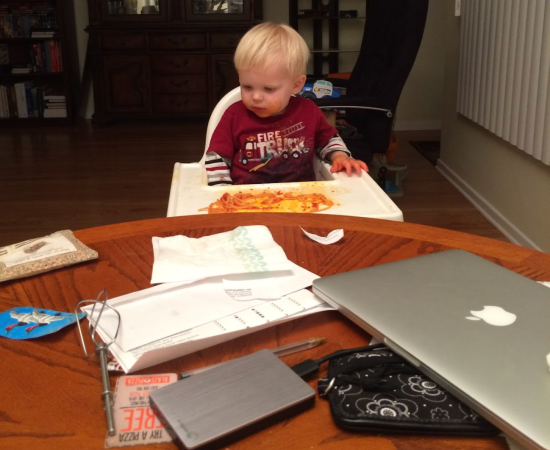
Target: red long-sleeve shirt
{"x":274,"y":149}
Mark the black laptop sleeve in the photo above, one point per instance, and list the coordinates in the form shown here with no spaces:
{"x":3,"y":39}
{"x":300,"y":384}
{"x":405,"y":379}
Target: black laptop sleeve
{"x":372,"y":389}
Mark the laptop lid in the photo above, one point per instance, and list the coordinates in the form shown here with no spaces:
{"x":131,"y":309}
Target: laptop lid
{"x":478,"y":329}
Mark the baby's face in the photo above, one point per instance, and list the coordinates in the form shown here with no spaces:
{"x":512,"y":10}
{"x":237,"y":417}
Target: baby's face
{"x":267,"y":92}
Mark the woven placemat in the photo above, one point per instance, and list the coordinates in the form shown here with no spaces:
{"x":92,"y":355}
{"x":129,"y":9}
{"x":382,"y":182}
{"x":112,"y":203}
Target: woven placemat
{"x":36,"y":252}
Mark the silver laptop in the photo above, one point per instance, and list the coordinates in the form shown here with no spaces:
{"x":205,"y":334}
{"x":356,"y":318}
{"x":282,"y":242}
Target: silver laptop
{"x":478,"y":329}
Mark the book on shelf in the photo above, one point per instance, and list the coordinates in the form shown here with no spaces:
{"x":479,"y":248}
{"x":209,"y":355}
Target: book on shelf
{"x":2,"y":109}
{"x":55,"y":105}
{"x":24,"y":100}
{"x":43,"y":34}
{"x":12,"y":100}
{"x":54,"y":97}
{"x":35,"y":95}
{"x":46,"y":56}
{"x":55,"y":113}
{"x":19,"y":21}
{"x":4,"y":54}
{"x":20,"y":70}
{"x":4,"y":105}
{"x":21,"y":97}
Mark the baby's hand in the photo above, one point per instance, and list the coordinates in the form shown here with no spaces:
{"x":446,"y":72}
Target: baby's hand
{"x":341,"y":161}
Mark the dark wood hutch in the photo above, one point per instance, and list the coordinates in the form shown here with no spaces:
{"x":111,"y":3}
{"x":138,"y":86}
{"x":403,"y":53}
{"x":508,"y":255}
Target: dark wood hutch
{"x":164,"y":58}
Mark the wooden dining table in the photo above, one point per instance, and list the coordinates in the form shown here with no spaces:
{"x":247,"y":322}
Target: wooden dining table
{"x":51,"y":393}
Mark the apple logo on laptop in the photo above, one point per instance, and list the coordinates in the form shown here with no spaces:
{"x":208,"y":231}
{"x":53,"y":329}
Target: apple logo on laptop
{"x":494,"y":315}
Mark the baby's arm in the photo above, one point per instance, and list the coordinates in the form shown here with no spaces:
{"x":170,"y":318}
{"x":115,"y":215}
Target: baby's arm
{"x":217,"y":169}
{"x":335,"y":144}
{"x":343,"y":161}
{"x":338,"y":154}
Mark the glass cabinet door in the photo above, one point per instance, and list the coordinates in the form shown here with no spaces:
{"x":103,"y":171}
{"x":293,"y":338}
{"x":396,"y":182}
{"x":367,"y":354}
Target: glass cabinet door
{"x":134,"y":10}
{"x":217,"y":10}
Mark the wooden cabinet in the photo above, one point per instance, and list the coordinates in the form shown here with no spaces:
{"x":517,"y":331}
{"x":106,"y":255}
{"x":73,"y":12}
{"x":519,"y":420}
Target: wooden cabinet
{"x":174,"y":61}
{"x":34,"y":70}
{"x":224,"y":75}
{"x":126,"y":82}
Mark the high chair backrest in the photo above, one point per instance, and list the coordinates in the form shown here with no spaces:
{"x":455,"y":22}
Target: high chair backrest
{"x":228,"y":99}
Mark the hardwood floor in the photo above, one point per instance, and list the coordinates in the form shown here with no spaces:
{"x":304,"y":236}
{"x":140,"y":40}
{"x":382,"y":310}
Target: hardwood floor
{"x":429,"y":199}
{"x":80,"y":177}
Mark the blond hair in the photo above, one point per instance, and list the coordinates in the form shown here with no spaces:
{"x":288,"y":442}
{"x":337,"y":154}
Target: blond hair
{"x":269,"y":44}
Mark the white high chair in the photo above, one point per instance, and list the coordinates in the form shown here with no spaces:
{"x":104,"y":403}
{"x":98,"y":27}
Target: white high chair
{"x":354,"y":195}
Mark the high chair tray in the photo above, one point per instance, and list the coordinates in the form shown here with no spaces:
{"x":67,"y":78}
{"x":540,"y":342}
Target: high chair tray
{"x":353,"y":195}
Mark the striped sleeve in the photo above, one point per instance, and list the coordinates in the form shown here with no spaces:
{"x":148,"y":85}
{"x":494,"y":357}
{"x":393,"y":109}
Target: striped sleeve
{"x":334,"y":144}
{"x":217,"y":169}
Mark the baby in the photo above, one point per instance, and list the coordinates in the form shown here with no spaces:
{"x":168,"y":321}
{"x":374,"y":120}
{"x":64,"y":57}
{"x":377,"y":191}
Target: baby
{"x":271,"y":136}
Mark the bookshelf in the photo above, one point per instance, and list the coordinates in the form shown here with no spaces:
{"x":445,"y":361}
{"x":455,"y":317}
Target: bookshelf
{"x":34,"y":82}
{"x":332,"y":45}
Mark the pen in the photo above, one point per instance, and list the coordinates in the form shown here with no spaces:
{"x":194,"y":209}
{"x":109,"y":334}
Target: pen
{"x":297,"y":346}
{"x":277,"y":351}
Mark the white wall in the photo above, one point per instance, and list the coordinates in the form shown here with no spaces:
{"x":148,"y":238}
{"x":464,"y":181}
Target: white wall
{"x":510,"y":187}
{"x":421,"y":102}
{"x":275,"y":11}
{"x":81,"y":22}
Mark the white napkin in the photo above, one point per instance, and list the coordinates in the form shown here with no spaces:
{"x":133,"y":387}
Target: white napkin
{"x":331,"y":238}
{"x":245,"y":249}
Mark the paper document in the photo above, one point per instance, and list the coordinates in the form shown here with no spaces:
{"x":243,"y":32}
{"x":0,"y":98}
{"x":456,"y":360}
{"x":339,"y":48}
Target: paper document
{"x":154,"y":313}
{"x":242,"y":250}
{"x":220,"y":330}
{"x":35,"y":250}
{"x":253,"y":289}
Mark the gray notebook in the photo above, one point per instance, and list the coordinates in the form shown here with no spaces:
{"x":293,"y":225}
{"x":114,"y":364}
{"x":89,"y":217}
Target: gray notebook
{"x":476,"y":328}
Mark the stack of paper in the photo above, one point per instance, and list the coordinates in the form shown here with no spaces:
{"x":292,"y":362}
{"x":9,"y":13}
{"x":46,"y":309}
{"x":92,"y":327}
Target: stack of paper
{"x":250,"y":286}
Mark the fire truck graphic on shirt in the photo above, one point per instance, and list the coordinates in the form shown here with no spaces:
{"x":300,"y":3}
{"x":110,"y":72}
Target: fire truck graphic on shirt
{"x":265,"y":146}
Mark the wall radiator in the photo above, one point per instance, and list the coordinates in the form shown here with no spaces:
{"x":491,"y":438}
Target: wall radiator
{"x":504,"y":71}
